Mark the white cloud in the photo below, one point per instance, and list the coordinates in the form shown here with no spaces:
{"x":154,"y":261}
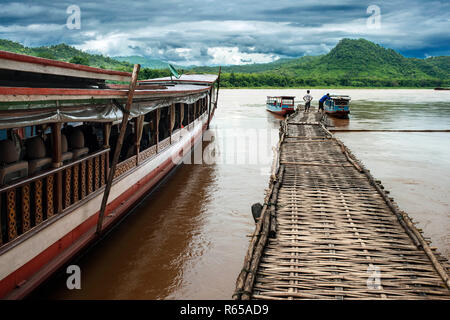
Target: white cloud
{"x":113,"y":44}
{"x":232,"y":55}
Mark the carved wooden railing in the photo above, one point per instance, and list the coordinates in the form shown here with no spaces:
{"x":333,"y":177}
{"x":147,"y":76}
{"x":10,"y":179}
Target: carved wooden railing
{"x":147,"y":153}
{"x":124,"y":166}
{"x":29,"y":202}
{"x":176,"y":136}
{"x":163,"y":144}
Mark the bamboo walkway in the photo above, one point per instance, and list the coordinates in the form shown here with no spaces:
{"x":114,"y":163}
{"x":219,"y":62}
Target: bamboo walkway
{"x":328,"y":230}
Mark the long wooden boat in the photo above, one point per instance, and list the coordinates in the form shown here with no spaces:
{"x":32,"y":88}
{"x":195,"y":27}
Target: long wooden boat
{"x":281,"y":105}
{"x":59,"y":125}
{"x":338,"y":106}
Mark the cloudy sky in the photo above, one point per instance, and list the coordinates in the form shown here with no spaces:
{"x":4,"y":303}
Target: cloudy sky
{"x":208,"y":32}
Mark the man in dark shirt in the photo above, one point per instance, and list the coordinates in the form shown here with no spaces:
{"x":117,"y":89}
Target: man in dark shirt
{"x":322,"y":100}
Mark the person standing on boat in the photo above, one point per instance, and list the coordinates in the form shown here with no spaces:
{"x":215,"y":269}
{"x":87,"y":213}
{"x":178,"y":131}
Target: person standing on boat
{"x":307,"y":98}
{"x":322,"y":100}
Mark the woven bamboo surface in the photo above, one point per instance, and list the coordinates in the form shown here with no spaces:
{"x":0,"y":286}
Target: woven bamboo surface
{"x":336,"y":235}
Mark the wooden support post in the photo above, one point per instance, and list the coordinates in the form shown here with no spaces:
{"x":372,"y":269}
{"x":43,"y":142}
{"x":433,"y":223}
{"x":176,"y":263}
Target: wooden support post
{"x":172,"y":120}
{"x":123,"y":128}
{"x":139,"y":125}
{"x":136,"y":139}
{"x":57,"y":163}
{"x":106,"y":134}
{"x":195,"y":111}
{"x":188,"y":115}
{"x":218,"y":86}
{"x":181,"y":106}
{"x":209,"y":107}
{"x":158,"y":115}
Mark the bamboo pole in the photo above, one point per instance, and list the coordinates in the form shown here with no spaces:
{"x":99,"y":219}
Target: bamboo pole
{"x":412,"y":231}
{"x":123,"y":127}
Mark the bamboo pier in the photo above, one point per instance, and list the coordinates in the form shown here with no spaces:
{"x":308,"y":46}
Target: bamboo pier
{"x":329,"y":230}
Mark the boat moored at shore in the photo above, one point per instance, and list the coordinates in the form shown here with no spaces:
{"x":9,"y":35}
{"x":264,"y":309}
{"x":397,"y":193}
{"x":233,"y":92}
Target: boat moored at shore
{"x":281,"y":105}
{"x":59,"y":128}
{"x":338,"y":106}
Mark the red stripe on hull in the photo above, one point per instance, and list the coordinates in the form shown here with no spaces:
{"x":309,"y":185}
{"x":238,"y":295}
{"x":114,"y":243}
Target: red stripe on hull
{"x":282,"y":112}
{"x":24,"y":280}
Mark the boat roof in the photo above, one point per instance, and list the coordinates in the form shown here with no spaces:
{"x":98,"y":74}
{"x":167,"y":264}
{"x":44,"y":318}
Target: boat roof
{"x":185,"y":78}
{"x":21,"y":62}
{"x":35,"y":97}
{"x":339,"y":96}
{"x":287,"y":97}
{"x":21,"y":94}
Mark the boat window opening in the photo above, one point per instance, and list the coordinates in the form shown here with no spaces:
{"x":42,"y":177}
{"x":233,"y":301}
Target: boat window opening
{"x":148,"y":138}
{"x":289,"y":102}
{"x":75,"y":134}
{"x":177,"y":124}
{"x":128,"y":146}
{"x":202,"y":106}
{"x":93,"y":136}
{"x":191,"y":113}
{"x":340,"y":102}
{"x":113,"y":137}
{"x":164,"y":124}
{"x":185,"y":115}
{"x":12,"y":164}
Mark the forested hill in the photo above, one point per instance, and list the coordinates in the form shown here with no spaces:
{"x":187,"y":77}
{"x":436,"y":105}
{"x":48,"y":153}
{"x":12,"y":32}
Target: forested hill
{"x":351,"y":63}
{"x":64,"y":52}
{"x":357,"y":63}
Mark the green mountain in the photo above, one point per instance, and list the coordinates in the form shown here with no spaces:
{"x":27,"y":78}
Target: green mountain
{"x":63,"y":52}
{"x":357,"y":63}
{"x":350,"y":63}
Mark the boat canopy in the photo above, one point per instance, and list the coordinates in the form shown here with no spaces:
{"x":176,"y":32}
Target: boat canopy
{"x":26,"y":102}
{"x":185,"y":78}
{"x":340,"y":96}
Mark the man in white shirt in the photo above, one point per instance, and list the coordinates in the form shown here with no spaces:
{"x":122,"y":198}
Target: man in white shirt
{"x":307,"y":98}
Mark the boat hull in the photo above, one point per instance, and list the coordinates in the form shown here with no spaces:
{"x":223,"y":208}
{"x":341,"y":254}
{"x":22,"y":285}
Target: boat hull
{"x":28,"y":264}
{"x":338,"y":111}
{"x":338,"y":114}
{"x":280,"y":110}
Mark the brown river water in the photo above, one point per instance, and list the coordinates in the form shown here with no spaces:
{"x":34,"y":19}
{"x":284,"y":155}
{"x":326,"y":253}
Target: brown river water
{"x":188,"y":239}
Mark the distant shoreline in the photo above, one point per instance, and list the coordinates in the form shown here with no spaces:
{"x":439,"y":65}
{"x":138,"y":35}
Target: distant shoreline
{"x":333,"y":87}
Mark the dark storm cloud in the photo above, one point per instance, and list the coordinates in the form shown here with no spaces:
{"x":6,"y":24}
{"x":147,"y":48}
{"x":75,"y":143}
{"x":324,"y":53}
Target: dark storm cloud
{"x":212,"y":32}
